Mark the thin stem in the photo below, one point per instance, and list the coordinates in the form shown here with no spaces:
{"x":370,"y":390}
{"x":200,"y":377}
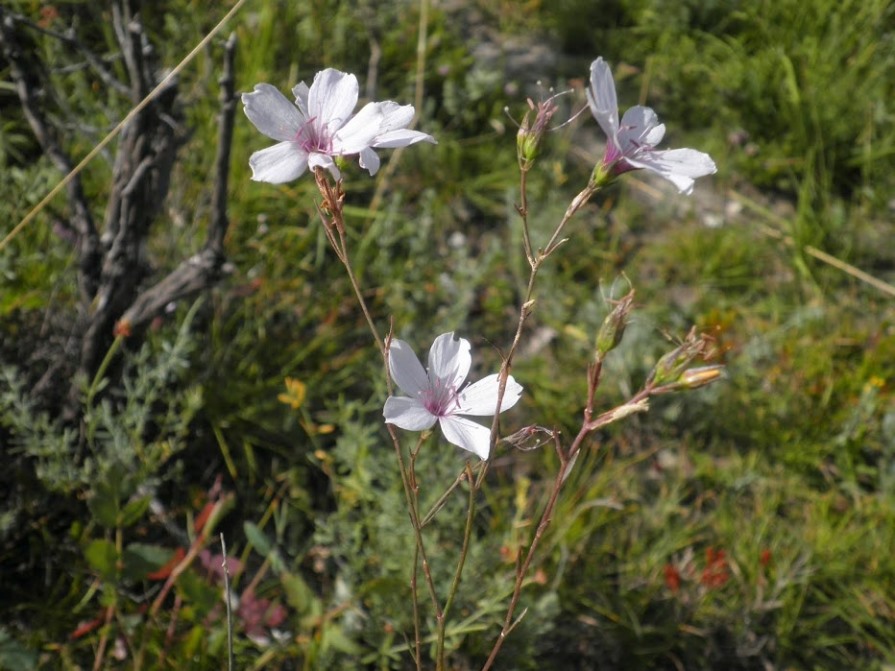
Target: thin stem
{"x":360,"y":297}
{"x":418,"y":650}
{"x":103,"y":639}
{"x":226,"y":568}
{"x":594,"y":373}
{"x":103,"y":367}
{"x":439,"y":504}
{"x":636,"y":403}
{"x":576,"y":204}
{"x":332,"y":217}
{"x":527,"y":305}
{"x":565,"y":460}
{"x":522,"y":569}
{"x":414,"y":519}
{"x":522,"y":209}
{"x":458,"y":572}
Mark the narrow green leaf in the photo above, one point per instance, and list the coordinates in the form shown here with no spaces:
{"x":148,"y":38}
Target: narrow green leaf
{"x":258,"y":539}
{"x":133,"y":512}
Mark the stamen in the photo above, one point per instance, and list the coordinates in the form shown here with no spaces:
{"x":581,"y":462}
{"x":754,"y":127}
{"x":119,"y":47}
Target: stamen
{"x":440,"y":399}
{"x":313,"y":139}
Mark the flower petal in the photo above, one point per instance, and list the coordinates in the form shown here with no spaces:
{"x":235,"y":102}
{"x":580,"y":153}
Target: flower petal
{"x":325,"y":161}
{"x":359,"y":132}
{"x":369,"y":160}
{"x":480,"y":398}
{"x":278,"y":164}
{"x":640,"y":127}
{"x":300,"y":91}
{"x":332,"y":98}
{"x":407,"y":371}
{"x":678,"y":166}
{"x":602,"y":99}
{"x":449,"y":361}
{"x":394,"y":116}
{"x":467,"y":434}
{"x":407,"y":413}
{"x":401,"y":138}
{"x":272,"y":113}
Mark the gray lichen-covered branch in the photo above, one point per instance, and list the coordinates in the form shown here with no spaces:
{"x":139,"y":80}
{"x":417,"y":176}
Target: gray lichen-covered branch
{"x":30,"y":80}
{"x":202,"y":270}
{"x":113,"y":264}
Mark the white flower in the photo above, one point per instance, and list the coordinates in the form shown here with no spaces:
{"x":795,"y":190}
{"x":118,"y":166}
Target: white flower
{"x":320,"y":126}
{"x":436,"y":395}
{"x":631,"y":145}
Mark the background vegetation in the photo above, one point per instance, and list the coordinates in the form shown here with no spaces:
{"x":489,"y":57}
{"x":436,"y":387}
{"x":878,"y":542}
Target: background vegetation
{"x":749,"y":525}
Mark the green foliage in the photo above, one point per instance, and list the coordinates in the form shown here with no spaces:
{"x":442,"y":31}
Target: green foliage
{"x":128,"y":435}
{"x":797,"y":94}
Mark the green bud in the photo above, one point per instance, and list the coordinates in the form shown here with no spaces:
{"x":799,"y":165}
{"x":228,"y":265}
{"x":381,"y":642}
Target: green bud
{"x":671,"y":369}
{"x":613,"y":328}
{"x":694,"y":378}
{"x":529,"y":137}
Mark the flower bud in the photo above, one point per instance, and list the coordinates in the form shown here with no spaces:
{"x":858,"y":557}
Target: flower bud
{"x":671,"y":371}
{"x":613,"y":327}
{"x":526,"y":144}
{"x":694,"y":378}
{"x":529,"y":137}
{"x":670,"y":367}
{"x":530,"y":437}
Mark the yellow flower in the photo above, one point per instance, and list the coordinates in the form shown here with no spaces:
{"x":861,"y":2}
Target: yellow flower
{"x":295,"y":393}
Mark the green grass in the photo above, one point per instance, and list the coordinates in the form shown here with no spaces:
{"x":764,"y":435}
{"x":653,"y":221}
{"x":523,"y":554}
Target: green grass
{"x":787,"y":466}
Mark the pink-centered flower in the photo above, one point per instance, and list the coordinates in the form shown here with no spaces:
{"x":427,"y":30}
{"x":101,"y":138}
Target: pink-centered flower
{"x":631,"y":145}
{"x":321,"y":126}
{"x":436,"y":395}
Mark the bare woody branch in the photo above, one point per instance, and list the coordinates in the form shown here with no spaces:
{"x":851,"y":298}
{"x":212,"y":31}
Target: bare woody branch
{"x":113,"y":265}
{"x":95,"y":62}
{"x":29,"y":79}
{"x":202,"y":270}
{"x":141,"y":176}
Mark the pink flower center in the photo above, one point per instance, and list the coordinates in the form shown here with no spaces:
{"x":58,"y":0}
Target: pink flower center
{"x":614,"y":158}
{"x":440,"y":398}
{"x":314,"y":139}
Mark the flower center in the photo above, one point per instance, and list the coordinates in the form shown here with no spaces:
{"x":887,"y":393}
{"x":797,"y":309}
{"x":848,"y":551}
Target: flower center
{"x":313,"y":138}
{"x":440,"y":398}
{"x":612,"y":155}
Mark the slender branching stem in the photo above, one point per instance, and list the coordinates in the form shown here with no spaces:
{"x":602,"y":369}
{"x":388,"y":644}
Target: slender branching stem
{"x":527,"y":306}
{"x":525,"y":310}
{"x":439,"y":504}
{"x":461,"y":562}
{"x":414,"y":573}
{"x":332,"y":217}
{"x":413,"y":510}
{"x":636,"y":403}
{"x":522,"y":568}
{"x":357,"y":292}
{"x":225,"y":565}
{"x":334,"y":227}
{"x":577,"y":203}
{"x":522,"y":210}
